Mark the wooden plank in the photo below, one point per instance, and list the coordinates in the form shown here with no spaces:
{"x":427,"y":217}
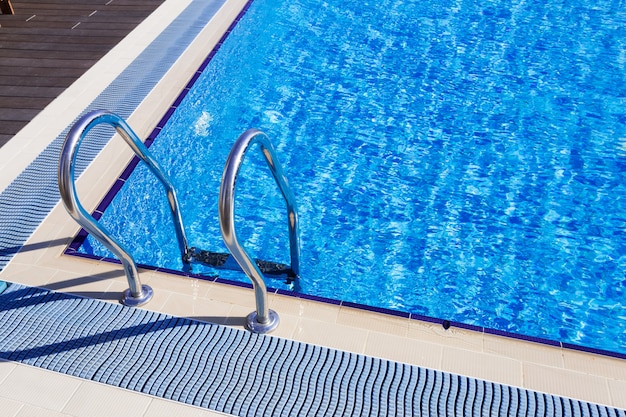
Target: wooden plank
{"x":61,"y":9}
{"x":18,"y":80}
{"x":29,"y":44}
{"x":26,"y":91}
{"x":78,"y":34}
{"x":109,"y":41}
{"x":47,"y":54}
{"x":19,"y":115}
{"x":47,"y":63}
{"x":104,"y":21}
{"x":4,"y":138}
{"x":47,"y":44}
{"x":36,"y":103}
{"x":10,"y":127}
{"x":11,"y":71}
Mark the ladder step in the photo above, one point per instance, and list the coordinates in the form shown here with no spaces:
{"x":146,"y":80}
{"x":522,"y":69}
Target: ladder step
{"x":226,"y":261}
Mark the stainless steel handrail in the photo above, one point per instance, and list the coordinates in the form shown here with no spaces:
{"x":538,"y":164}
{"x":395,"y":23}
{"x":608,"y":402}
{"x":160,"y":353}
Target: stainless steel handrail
{"x":262,"y":320}
{"x":137,"y":294}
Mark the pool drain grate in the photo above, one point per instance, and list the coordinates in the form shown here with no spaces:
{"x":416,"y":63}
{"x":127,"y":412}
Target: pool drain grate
{"x":241,"y":373}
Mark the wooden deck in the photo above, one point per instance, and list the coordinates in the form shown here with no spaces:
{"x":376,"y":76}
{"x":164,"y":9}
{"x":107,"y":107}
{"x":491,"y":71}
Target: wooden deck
{"x":48,"y":44}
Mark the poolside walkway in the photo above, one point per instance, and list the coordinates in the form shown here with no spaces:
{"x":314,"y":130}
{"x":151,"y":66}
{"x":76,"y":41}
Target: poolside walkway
{"x":39,"y":262}
{"x":46,"y":45}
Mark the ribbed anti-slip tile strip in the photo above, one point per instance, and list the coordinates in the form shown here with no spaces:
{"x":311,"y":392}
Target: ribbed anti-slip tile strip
{"x":240,"y":373}
{"x":31,"y":196}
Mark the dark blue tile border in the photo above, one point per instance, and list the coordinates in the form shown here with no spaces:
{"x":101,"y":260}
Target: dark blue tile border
{"x":315,"y":298}
{"x":236,"y":283}
{"x":595,"y":351}
{"x":373,"y":309}
{"x":522,"y":337}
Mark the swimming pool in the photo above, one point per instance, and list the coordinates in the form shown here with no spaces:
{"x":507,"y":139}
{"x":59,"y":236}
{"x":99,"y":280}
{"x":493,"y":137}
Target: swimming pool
{"x":452,"y":160}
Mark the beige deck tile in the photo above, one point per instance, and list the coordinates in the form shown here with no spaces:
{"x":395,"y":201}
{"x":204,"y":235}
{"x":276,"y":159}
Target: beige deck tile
{"x":524,"y":351}
{"x":232,"y":294}
{"x":32,"y":275}
{"x":198,"y":308}
{"x":595,"y":364}
{"x":286,"y":327}
{"x":164,"y":408}
{"x":9,"y":408}
{"x":85,"y":285}
{"x":6,"y":368}
{"x":435,"y":333}
{"x":237,"y":316}
{"x":53,"y":390}
{"x":284,"y":304}
{"x":176,"y":283}
{"x":31,"y":411}
{"x":99,"y":400}
{"x":570,"y":384}
{"x":617,"y":390}
{"x":53,"y":258}
{"x":335,"y":336}
{"x":41,"y":248}
{"x":52,"y":233}
{"x":157,"y":303}
{"x":400,"y":349}
{"x":373,"y":321}
{"x":482,"y":366}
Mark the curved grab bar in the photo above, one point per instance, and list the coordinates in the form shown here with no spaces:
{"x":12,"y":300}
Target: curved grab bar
{"x":137,"y":294}
{"x":263,"y":319}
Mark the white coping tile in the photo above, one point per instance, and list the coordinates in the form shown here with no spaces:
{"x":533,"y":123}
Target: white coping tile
{"x":100,"y":400}
{"x":93,"y":399}
{"x":532,"y":352}
{"x":338,"y":336}
{"x":563,"y":382}
{"x":481,"y":365}
{"x":10,"y":408}
{"x":554,"y":370}
{"x":617,"y":390}
{"x":596,"y":365}
{"x":31,"y":411}
{"x":416,"y":352}
{"x":381,"y":323}
{"x":39,"y":387}
{"x":165,"y":408}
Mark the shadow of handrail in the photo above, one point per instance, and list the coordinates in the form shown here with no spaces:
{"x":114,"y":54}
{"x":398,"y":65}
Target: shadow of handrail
{"x":28,"y":297}
{"x":87,"y":279}
{"x":96,"y":339}
{"x":12,"y":250}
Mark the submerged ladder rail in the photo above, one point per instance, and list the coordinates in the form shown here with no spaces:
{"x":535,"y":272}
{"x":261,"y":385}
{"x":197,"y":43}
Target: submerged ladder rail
{"x":137,"y":294}
{"x":263,"y":319}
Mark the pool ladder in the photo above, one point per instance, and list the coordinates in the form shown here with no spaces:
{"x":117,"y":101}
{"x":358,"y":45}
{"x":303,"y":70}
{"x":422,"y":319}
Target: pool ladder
{"x":262,"y":320}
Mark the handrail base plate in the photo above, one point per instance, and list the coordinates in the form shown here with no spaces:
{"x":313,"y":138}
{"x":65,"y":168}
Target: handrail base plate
{"x":130,"y":301}
{"x":255,"y":327}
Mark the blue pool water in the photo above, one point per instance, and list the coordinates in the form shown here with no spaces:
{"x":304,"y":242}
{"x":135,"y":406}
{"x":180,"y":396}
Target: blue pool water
{"x":451,"y":159}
